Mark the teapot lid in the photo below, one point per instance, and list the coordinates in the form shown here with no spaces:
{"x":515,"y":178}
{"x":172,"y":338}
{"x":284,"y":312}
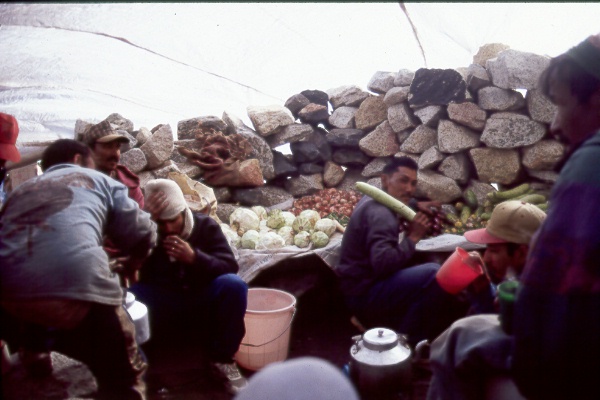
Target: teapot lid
{"x":380,"y":339}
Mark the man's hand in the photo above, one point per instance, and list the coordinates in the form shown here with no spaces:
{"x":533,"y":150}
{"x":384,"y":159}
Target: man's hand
{"x":128,"y":268}
{"x":179,"y":249}
{"x":155,"y":204}
{"x":419,"y":227}
{"x":429,"y":207}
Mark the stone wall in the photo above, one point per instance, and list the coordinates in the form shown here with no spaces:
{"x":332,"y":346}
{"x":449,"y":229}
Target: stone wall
{"x":466,"y":128}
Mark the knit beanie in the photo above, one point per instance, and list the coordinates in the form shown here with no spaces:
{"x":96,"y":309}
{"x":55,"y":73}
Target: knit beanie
{"x":177,"y":202}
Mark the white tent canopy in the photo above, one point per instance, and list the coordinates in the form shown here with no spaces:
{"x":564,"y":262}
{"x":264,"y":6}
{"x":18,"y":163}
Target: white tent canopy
{"x":162,"y":63}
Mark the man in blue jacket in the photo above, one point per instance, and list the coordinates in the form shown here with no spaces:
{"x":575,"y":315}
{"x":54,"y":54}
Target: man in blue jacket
{"x":379,"y":283}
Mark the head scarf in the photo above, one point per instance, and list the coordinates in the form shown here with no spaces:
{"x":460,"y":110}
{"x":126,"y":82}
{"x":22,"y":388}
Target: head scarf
{"x":177,"y":203}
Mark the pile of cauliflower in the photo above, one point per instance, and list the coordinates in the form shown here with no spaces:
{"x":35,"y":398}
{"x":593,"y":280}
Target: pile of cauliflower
{"x":255,"y":228}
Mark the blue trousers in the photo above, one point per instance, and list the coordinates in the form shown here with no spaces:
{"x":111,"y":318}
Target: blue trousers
{"x":410,"y":302}
{"x":213,"y":314}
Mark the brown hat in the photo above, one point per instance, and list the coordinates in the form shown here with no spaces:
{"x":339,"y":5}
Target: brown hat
{"x":9,"y":130}
{"x":587,"y":55}
{"x":511,"y":222}
{"x":102,"y":132}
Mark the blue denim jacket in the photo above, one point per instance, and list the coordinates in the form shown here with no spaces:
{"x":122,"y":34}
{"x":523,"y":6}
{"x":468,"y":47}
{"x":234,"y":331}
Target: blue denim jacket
{"x":52,"y":229}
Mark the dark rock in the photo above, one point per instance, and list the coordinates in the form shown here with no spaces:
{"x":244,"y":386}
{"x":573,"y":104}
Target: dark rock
{"x":282,"y":166}
{"x":344,"y":137}
{"x":310,"y":168}
{"x":265,"y":196}
{"x":222,"y":194}
{"x":296,"y":103}
{"x":350,"y":157}
{"x":314,"y":149}
{"x":436,"y":86}
{"x":224,"y":210}
{"x":314,"y":114}
{"x":316,"y":96}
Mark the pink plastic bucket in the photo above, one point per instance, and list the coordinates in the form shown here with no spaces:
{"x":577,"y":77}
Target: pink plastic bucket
{"x":456,"y":274}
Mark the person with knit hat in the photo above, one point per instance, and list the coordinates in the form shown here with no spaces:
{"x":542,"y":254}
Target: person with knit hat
{"x":557,"y":311}
{"x":9,"y":130}
{"x":190,"y":283}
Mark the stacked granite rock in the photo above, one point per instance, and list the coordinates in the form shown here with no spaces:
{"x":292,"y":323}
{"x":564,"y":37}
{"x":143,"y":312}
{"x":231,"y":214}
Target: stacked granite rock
{"x":467,"y":128}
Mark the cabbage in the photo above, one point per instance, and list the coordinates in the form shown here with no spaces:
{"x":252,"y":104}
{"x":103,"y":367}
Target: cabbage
{"x":243,"y":220}
{"x":289,"y":217}
{"x":260,"y":211}
{"x":232,"y":237}
{"x":250,"y":239}
{"x":263,"y":226}
{"x":302,"y":239}
{"x":270,"y":240}
{"x":275,"y":220}
{"x":319,"y":239}
{"x":312,"y":215}
{"x":287,"y":233}
{"x":302,"y":224}
{"x":326,"y":225}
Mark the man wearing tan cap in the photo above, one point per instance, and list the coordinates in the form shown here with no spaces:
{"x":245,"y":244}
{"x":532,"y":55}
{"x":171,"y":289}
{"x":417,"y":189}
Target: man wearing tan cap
{"x":106,"y":143}
{"x":506,"y":236}
{"x":9,"y":130}
{"x":469,"y":356}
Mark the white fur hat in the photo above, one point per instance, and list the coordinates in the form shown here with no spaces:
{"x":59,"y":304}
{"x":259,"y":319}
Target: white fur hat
{"x":171,"y":189}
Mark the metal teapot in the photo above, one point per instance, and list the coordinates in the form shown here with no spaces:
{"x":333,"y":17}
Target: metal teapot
{"x":381,"y":361}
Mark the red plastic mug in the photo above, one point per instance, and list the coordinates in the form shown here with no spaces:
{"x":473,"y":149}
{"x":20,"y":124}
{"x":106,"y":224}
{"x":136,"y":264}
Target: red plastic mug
{"x":458,"y":271}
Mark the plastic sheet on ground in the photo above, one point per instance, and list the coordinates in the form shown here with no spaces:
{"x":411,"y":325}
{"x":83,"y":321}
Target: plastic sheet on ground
{"x":252,"y":262}
{"x":447,"y":243}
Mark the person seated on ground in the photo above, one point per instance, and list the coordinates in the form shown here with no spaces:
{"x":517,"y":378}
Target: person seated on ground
{"x":304,"y":378}
{"x":57,"y":290}
{"x":475,"y":349}
{"x":189,"y":282}
{"x":379,"y":284}
{"x":506,"y":236}
{"x":557,"y":310}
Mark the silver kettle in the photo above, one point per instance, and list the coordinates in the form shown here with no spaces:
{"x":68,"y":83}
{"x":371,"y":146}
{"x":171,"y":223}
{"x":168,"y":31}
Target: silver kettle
{"x":381,"y":361}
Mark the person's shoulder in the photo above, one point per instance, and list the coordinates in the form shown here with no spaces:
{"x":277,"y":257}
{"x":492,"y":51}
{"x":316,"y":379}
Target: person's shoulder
{"x":204,"y":219}
{"x":127,"y":177}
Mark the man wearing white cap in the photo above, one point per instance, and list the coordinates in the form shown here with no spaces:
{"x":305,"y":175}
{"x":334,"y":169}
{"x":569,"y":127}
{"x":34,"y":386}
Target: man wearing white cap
{"x":190,"y":282}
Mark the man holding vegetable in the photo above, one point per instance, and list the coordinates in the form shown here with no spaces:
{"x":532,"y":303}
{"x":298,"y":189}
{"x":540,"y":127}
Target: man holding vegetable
{"x":379,"y":284}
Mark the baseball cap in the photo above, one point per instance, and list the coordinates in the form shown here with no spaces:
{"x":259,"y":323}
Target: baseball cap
{"x":512,"y":221}
{"x":102,"y":132}
{"x":9,"y":130}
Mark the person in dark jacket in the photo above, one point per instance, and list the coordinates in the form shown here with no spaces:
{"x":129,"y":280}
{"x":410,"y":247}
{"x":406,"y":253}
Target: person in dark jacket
{"x":190,"y":282}
{"x":557,"y":311}
{"x":379,"y":283}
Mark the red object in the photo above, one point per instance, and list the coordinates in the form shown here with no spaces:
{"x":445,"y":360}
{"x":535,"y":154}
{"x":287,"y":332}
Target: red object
{"x":455,"y":274}
{"x":9,"y":130}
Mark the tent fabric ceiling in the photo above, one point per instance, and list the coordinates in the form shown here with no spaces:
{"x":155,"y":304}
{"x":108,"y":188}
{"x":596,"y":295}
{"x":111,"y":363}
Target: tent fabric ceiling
{"x":161,"y":63}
